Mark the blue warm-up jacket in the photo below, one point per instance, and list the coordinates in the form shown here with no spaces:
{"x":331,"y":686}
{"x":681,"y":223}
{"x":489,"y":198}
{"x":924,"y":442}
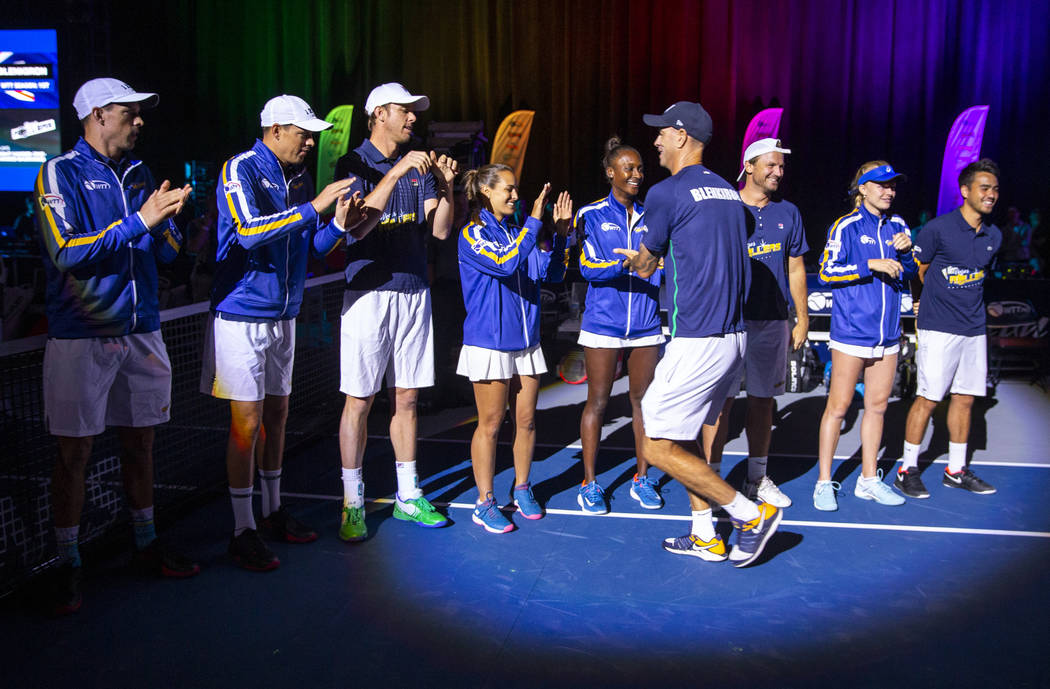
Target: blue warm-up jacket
{"x":501,"y":271}
{"x":866,"y":306}
{"x":619,"y":304}
{"x":266,"y":228}
{"x":101,"y":263}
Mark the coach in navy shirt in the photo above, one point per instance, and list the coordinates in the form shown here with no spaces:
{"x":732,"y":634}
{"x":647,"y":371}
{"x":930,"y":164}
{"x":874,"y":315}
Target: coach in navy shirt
{"x":954,"y":251}
{"x":776,"y":243}
{"x":696,"y":222}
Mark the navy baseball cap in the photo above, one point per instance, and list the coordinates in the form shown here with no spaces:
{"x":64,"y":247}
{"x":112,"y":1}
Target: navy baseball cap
{"x":882,"y":173}
{"x":684,"y":115}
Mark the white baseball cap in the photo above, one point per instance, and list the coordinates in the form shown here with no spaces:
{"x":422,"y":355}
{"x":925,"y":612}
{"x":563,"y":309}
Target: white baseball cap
{"x":98,"y":93}
{"x":285,"y":109}
{"x":761,"y":147}
{"x":394,"y":93}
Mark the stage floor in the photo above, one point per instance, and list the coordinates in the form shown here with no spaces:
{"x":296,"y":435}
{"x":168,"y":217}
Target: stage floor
{"x":945,"y":592}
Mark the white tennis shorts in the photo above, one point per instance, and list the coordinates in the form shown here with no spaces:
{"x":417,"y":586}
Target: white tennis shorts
{"x":692,"y":382}
{"x":385,"y":335}
{"x":246,"y":362}
{"x":94,"y":382}
{"x":947,"y":362}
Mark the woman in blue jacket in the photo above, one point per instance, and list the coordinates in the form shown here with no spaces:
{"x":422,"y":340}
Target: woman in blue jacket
{"x":621,"y":315}
{"x":501,"y":270}
{"x":866,"y":261}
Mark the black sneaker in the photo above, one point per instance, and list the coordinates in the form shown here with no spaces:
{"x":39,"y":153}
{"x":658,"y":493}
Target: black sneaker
{"x":66,"y":593}
{"x":282,"y":526}
{"x":967,"y":480}
{"x":251,"y":553}
{"x":909,"y":483}
{"x":158,"y":559}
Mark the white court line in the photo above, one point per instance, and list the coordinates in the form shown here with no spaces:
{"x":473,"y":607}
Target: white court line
{"x":678,"y":518}
{"x":726,"y":453}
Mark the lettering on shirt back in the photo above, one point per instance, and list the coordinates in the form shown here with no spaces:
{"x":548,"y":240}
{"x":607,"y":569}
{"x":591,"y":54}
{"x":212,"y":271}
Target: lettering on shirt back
{"x":705,"y":193}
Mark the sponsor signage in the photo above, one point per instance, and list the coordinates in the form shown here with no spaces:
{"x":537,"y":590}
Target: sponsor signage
{"x":29,"y":107}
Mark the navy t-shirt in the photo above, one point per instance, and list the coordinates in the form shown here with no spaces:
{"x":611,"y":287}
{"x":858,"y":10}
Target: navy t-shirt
{"x":774,"y":233}
{"x":393,"y":256}
{"x":697,"y":222}
{"x":953,"y":290}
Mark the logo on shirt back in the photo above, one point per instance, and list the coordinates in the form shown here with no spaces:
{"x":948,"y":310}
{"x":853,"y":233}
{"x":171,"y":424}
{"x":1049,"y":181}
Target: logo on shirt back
{"x":95,"y":184}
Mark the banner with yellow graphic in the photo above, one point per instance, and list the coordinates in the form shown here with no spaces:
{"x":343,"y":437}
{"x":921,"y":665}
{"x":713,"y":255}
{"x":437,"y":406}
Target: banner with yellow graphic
{"x":512,"y":138}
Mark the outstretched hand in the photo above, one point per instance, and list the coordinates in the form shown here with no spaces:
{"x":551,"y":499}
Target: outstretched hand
{"x":540,"y":202}
{"x":563,"y":213}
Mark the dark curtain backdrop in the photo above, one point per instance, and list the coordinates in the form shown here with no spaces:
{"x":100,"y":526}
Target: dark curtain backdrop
{"x":858,"y":79}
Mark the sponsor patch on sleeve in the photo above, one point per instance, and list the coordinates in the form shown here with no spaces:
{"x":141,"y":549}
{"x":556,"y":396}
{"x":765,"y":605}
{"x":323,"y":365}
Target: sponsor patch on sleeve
{"x":52,"y":201}
{"x":231,"y":187}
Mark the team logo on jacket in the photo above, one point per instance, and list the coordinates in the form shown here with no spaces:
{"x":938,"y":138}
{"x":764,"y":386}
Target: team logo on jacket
{"x":231,"y":187}
{"x":865,"y":239}
{"x":135,"y":186}
{"x":267,"y":184}
{"x":52,"y":201}
{"x":96,"y":184}
{"x":610,"y":227}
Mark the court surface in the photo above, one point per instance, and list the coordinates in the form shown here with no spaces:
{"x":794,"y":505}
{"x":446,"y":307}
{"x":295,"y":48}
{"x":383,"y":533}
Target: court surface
{"x":945,"y":592}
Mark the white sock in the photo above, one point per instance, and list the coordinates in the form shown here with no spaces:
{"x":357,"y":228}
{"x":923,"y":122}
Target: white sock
{"x":703,"y":525}
{"x":241,"y":499}
{"x":407,"y":480}
{"x":741,"y":508}
{"x":271,"y":491}
{"x":956,"y":457}
{"x":756,"y":469}
{"x":353,"y":488}
{"x":910,"y":460}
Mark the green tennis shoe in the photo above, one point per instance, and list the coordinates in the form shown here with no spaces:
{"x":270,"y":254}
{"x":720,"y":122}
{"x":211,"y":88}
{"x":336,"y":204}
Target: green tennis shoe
{"x":353,"y":527}
{"x":420,"y":511}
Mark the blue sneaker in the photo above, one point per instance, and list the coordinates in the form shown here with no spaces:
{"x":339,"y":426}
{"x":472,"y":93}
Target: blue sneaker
{"x":592,"y":499}
{"x":526,"y":502}
{"x":488,"y":515}
{"x":824,"y":498}
{"x":643,"y":489}
{"x":752,"y":536}
{"x":874,"y":489}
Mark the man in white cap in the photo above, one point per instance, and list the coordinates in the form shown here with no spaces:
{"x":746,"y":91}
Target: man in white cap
{"x":776,"y":243}
{"x":695,"y":220}
{"x":104,"y":224}
{"x":268,"y":219}
{"x":386,"y":323}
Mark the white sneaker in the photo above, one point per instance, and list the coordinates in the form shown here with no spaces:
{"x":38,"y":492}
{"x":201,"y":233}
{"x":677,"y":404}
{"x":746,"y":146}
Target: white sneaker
{"x":766,"y":491}
{"x":874,"y":489}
